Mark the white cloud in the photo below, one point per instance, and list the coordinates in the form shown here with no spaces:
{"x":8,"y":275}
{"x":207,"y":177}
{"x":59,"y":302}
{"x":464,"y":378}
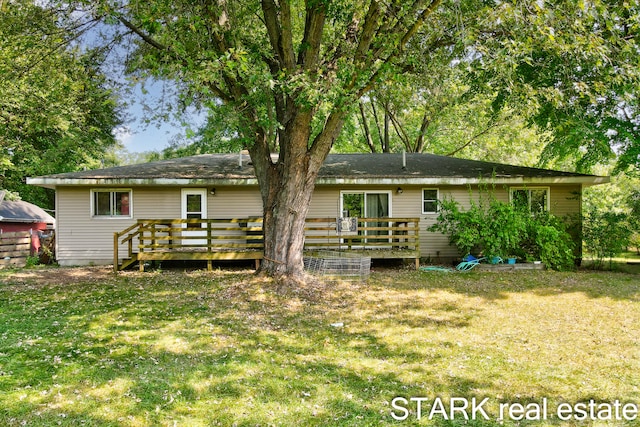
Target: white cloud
{"x":124,"y":135}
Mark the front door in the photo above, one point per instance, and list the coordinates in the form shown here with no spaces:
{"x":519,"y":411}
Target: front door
{"x":194,"y":205}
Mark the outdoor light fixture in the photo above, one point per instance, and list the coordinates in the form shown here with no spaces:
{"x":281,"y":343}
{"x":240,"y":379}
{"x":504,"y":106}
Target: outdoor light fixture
{"x":212,"y":191}
{"x":399,"y":190}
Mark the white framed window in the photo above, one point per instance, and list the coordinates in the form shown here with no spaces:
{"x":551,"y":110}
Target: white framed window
{"x":368,"y":204}
{"x":533,"y":199}
{"x":365,"y":204}
{"x":111,"y":203}
{"x":430,"y":197}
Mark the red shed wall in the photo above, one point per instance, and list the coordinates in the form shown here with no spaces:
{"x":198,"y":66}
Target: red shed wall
{"x":10,"y":227}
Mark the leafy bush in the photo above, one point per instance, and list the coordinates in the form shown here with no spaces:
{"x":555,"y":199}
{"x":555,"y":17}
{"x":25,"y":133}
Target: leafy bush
{"x":504,"y":229}
{"x":501,"y":229}
{"x":32,"y":261}
{"x":463,"y":228}
{"x":606,"y":234}
{"x":547,"y":239}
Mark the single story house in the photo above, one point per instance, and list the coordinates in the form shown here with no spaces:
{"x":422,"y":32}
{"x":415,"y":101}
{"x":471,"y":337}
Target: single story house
{"x":17,"y":216}
{"x":93,"y":205}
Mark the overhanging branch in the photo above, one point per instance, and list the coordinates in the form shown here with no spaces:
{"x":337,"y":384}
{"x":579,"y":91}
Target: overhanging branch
{"x":398,"y":49}
{"x":472,"y":139}
{"x":312,"y":39}
{"x":145,"y":37}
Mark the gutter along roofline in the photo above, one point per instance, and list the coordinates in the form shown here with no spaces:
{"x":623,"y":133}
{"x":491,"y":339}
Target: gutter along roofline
{"x":51,"y":182}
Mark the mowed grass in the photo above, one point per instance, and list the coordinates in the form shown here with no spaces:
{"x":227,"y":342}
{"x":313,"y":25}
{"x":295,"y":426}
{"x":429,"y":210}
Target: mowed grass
{"x":227,"y":348}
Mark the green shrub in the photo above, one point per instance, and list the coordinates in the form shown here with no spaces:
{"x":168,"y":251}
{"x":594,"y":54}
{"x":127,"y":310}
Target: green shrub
{"x":605,"y":234}
{"x":463,"y":228}
{"x":548,"y":240}
{"x":32,"y":261}
{"x":501,"y":229}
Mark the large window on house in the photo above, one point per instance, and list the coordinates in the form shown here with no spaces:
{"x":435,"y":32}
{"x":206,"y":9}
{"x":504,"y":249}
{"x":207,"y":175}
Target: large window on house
{"x":533,"y":199}
{"x":365,"y":204}
{"x":429,"y":200}
{"x":368,"y":204}
{"x":111,"y":204}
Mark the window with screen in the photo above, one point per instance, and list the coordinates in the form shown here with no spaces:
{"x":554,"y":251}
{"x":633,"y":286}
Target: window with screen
{"x":111,"y":203}
{"x":429,"y":200}
{"x":534,"y":200}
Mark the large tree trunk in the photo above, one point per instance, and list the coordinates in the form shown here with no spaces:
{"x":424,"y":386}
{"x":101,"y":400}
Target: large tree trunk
{"x":285,"y":213}
{"x":286,"y":186}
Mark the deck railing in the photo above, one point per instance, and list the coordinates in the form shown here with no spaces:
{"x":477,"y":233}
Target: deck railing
{"x":242,"y":238}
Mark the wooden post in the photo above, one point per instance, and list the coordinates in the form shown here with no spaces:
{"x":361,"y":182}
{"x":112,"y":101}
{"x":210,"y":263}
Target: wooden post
{"x":115,"y":252}
{"x":209,"y":243}
{"x":153,"y":235}
{"x":140,"y":247}
{"x":416,"y":236}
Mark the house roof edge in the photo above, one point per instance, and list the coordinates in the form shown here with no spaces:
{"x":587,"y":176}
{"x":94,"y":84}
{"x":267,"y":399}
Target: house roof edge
{"x":49,"y":182}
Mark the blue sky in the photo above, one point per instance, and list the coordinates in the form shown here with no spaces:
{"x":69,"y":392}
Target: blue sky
{"x":137,"y":135}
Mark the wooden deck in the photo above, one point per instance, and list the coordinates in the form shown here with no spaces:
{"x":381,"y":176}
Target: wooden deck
{"x":242,"y":239}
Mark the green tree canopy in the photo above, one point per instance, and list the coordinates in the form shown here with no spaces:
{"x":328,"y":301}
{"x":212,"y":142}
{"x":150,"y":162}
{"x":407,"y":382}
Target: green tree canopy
{"x":579,"y":66}
{"x":56,"y":112}
{"x":289,"y":70}
{"x":287,"y":74}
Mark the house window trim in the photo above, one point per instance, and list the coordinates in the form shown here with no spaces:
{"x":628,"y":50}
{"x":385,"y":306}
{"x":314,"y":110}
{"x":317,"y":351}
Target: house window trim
{"x":110,"y":190}
{"x":437,"y":200}
{"x":366,"y":236}
{"x":365,"y":192}
{"x":547,"y":188}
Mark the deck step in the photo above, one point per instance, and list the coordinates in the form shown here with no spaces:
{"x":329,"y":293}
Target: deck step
{"x":127,"y":262}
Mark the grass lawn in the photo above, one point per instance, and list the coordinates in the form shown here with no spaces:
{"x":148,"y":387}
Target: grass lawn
{"x":626,"y":262}
{"x":85,"y":347}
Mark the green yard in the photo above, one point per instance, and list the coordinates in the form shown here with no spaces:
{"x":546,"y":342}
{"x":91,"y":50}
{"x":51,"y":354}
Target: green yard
{"x":85,"y":347}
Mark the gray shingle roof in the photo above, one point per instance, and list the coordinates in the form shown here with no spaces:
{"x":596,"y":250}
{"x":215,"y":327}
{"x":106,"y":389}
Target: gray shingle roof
{"x":22,"y":211}
{"x":338,"y":168}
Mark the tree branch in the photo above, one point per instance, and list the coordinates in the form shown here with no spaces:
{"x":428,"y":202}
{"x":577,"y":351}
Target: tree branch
{"x":377,"y":121}
{"x":399,"y":48}
{"x":314,"y":25}
{"x":145,"y":37}
{"x":368,"y":30}
{"x":269,"y":10}
{"x":365,"y":126}
{"x":287,"y":35}
{"x":400,"y":131}
{"x":385,"y":29}
{"x":472,"y":139}
{"x":418,"y":23}
{"x":323,"y":142}
{"x":423,"y":129}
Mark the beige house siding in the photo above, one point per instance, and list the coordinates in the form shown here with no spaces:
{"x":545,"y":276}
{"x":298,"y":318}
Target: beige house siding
{"x":82,"y":239}
{"x":564,"y":200}
{"x":235,"y":202}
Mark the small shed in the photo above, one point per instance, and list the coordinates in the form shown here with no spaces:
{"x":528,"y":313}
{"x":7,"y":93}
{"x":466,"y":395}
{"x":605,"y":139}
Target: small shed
{"x":21,"y":216}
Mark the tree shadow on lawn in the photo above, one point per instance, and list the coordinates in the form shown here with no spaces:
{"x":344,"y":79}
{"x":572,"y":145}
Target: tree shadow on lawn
{"x":498,"y":285}
{"x":151,"y":350}
{"x":135,"y":353}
